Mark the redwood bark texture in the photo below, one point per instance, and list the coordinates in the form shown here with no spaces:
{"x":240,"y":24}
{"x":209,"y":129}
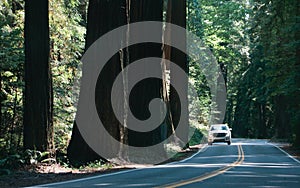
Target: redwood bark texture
{"x":176,"y":14}
{"x":103,"y":16}
{"x":38,"y":107}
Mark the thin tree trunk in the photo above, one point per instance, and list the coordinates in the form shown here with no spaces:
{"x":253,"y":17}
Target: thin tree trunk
{"x":123,"y":152}
{"x":38,"y":125}
{"x":262,"y":121}
{"x":82,"y":9}
{"x":166,"y":70}
{"x":124,"y":61}
{"x":282,"y":119}
{"x":1,"y":99}
{"x":12,"y":124}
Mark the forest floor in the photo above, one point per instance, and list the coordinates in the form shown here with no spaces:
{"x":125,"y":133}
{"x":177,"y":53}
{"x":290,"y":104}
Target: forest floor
{"x":46,"y":173}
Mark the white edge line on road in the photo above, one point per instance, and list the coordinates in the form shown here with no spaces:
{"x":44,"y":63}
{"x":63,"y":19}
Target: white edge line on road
{"x":117,"y":173}
{"x":201,"y":150}
{"x":285,"y":153}
{"x":184,"y":160}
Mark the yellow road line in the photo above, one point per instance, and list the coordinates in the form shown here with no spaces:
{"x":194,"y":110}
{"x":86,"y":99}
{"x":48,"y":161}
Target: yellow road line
{"x":239,"y":161}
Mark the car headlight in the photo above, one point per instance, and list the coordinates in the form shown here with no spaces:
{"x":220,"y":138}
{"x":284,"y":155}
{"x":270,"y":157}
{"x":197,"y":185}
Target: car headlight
{"x":227,"y":134}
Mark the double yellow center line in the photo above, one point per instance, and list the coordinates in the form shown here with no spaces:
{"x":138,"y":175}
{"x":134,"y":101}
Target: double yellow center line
{"x":239,"y":161}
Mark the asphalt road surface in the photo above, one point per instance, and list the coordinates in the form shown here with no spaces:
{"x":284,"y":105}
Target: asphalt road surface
{"x":245,"y":163}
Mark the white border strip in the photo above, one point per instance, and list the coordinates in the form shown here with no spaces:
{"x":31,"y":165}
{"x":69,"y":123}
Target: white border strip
{"x":87,"y":178}
{"x":200,"y":150}
{"x":296,"y":160}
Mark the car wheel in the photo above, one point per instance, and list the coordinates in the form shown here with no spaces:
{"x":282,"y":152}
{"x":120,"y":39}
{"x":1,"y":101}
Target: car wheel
{"x":228,"y":142}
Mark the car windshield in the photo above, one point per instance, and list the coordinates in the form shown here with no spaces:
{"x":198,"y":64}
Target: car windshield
{"x":223,"y":127}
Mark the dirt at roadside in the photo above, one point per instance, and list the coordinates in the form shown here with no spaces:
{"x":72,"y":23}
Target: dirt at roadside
{"x":294,"y":152}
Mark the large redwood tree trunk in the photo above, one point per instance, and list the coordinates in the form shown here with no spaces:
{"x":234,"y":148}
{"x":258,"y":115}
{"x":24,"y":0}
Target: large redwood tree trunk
{"x":146,"y":90}
{"x":103,"y":16}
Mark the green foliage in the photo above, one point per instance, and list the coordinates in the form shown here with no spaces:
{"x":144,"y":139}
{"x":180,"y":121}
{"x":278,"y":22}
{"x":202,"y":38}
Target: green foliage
{"x":67,"y":44}
{"x":257,"y":44}
{"x":28,"y":157}
{"x":270,"y":84}
{"x":197,"y":138}
{"x":33,"y":157}
{"x":199,"y":110}
{"x":194,"y":18}
{"x":11,"y":162}
{"x":11,"y":75}
{"x":222,"y":26}
{"x":96,"y":164}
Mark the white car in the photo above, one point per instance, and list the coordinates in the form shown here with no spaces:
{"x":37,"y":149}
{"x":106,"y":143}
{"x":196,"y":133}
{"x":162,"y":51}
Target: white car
{"x":219,"y":133}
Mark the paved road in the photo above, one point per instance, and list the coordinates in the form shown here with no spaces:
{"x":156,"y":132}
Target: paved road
{"x":245,"y":163}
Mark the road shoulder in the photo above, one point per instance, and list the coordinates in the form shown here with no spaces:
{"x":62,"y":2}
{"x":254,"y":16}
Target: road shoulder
{"x":291,"y":150}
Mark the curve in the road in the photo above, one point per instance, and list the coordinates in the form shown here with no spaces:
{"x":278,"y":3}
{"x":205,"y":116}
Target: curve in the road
{"x":239,"y":161}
